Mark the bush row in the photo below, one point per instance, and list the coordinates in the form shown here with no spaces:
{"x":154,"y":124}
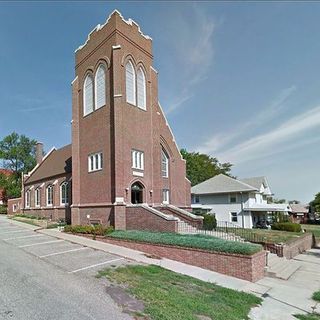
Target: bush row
{"x":3,"y":209}
{"x":98,"y":230}
{"x":286,"y":226}
{"x":189,"y":241}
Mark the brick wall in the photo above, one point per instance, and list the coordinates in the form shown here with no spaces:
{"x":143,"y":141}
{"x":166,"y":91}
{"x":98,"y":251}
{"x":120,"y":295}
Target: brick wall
{"x":14,"y":206}
{"x":197,"y":223}
{"x":249,"y":268}
{"x":292,"y":249}
{"x":139,"y":218}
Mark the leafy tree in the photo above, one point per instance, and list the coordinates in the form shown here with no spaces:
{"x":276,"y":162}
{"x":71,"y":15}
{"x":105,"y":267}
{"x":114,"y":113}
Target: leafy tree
{"x":18,"y":155}
{"x":315,"y":204}
{"x":294,"y":202}
{"x":201,"y":167}
{"x":275,"y":200}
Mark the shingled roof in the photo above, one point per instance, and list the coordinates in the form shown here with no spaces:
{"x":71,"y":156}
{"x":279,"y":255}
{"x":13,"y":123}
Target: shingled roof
{"x":57,"y":162}
{"x":221,"y":184}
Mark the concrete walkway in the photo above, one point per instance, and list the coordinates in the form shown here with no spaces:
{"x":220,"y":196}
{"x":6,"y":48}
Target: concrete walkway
{"x":282,"y":298}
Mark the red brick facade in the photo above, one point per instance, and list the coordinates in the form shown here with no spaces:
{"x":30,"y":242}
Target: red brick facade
{"x":113,"y":131}
{"x":249,"y":268}
{"x":119,"y":127}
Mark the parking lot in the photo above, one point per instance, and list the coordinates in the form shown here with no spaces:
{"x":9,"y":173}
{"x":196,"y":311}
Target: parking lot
{"x":70,"y":257}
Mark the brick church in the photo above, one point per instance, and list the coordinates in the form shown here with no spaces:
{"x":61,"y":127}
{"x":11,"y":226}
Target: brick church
{"x":123,"y":167}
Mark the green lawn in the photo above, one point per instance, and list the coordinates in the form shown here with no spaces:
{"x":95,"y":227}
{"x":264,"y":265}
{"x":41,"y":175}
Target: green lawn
{"x":190,"y":241}
{"x":171,"y":296}
{"x":316,"y":296}
{"x":264,"y":235}
{"x":314,"y":228}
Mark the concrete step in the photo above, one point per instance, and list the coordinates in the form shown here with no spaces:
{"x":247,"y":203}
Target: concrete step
{"x":281,"y":268}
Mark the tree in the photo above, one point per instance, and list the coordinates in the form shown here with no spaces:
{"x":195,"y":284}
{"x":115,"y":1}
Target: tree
{"x":201,"y":167}
{"x":315,"y":204}
{"x":18,"y":155}
{"x":294,"y":202}
{"x":275,"y":200}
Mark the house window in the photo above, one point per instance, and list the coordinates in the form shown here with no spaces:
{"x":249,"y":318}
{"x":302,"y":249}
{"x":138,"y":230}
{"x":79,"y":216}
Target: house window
{"x":88,"y":95}
{"x":141,"y":86}
{"x":95,"y":161}
{"x":164,"y":164}
{"x":28,"y":194}
{"x":233,"y":198}
{"x":100,"y":87}
{"x":64,"y":193}
{"x":234,"y":216}
{"x":165,"y":196}
{"x":137,"y":159}
{"x":197,"y":199}
{"x":49,"y":195}
{"x":130,"y":83}
{"x":37,"y":196}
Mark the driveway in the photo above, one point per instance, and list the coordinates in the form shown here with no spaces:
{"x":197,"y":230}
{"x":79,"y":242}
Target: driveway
{"x":43,"y":277}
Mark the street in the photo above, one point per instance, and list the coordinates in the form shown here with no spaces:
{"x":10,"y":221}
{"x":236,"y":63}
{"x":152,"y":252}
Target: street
{"x":45,"y":278}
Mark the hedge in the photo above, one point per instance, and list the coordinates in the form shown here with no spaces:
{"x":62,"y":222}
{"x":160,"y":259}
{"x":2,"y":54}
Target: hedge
{"x":3,"y":209}
{"x":98,"y":230}
{"x":190,"y":241}
{"x":209,"y":221}
{"x":286,"y":226}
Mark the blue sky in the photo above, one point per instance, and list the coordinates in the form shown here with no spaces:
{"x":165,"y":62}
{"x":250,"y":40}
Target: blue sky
{"x":239,"y":81}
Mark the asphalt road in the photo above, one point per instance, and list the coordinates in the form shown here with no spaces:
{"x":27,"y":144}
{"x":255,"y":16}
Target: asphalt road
{"x":44,"y":278}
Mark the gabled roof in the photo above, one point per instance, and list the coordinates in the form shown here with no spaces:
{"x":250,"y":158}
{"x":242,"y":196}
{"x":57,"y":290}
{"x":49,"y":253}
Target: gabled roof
{"x":221,"y":184}
{"x":256,"y":182}
{"x":299,"y":208}
{"x":57,"y":162}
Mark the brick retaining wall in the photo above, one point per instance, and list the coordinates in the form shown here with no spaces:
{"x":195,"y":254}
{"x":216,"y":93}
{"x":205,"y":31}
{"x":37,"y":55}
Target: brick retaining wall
{"x":139,"y":218}
{"x":297,"y":246}
{"x":244,"y":267}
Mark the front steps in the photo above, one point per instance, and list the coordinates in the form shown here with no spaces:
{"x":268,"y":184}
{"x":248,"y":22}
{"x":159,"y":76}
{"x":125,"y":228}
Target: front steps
{"x":281,"y":268}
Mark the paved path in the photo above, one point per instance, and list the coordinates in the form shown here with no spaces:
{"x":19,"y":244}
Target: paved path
{"x":42,"y":277}
{"x":282,"y":298}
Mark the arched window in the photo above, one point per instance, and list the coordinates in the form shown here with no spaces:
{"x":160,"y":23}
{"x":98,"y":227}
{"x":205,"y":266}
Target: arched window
{"x":130,"y":83}
{"x":64,"y":193}
{"x":28,"y":196}
{"x":88,"y":95}
{"x":37,"y":195}
{"x":141,"y":86}
{"x":49,"y":195}
{"x":164,"y":164}
{"x":100,"y":87}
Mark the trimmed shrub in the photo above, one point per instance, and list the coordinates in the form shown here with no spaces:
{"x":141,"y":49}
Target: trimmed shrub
{"x":189,"y":241}
{"x":286,"y":226}
{"x":98,"y":229}
{"x":209,"y":221}
{"x":3,"y":209}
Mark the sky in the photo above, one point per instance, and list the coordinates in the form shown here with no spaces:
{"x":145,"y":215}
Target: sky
{"x":237,"y":80}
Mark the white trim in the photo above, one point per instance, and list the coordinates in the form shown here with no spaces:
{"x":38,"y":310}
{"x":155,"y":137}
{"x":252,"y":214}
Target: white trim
{"x":117,"y":95}
{"x":96,"y":106}
{"x":39,"y":243}
{"x":84,"y":97}
{"x":131,"y":70}
{"x":47,"y":198}
{"x":96,"y":265}
{"x":116,"y":47}
{"x":74,"y":80}
{"x":62,"y":252}
{"x":137,"y":174}
{"x":64,"y":183}
{"x":143,"y":104}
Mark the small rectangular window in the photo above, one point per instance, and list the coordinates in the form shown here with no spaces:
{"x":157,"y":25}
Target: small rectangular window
{"x":137,"y":159}
{"x":95,"y":162}
{"x":234,"y":217}
{"x":165,"y":196}
{"x":233,"y":198}
{"x":197,"y":199}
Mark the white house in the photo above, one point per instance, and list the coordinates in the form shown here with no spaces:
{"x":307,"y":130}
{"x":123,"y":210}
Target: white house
{"x":242,"y":202}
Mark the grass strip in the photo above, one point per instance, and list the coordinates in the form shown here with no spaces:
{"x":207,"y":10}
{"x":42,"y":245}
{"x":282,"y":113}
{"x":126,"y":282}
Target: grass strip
{"x":171,"y":296}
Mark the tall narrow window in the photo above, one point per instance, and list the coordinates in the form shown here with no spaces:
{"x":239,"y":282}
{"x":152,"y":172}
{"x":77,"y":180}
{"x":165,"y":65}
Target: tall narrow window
{"x":164,"y":164}
{"x":141,"y":86}
{"x":100,"y":87}
{"x":37,"y":196}
{"x":130,"y":83}
{"x":49,"y":195}
{"x":64,"y":193}
{"x":137,"y":159}
{"x":88,"y":95}
{"x":165,"y":196}
{"x":95,"y":162}
{"x":28,"y":194}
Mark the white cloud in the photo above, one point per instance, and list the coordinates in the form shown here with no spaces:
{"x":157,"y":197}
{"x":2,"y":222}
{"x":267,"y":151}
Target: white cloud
{"x":221,"y":140}
{"x":193,"y":44}
{"x":284,"y":136}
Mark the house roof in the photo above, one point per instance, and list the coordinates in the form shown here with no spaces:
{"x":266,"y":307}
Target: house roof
{"x":221,"y":184}
{"x":57,"y":162}
{"x":255,"y":181}
{"x":299,"y":208}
